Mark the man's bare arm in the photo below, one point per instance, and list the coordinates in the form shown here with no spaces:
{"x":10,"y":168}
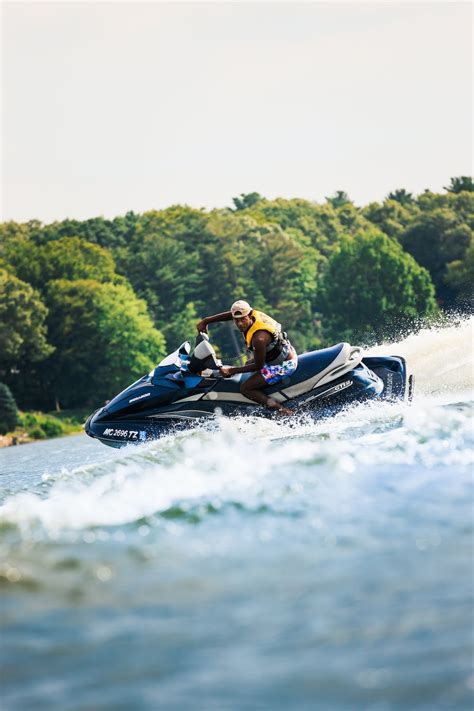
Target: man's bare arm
{"x":259,"y":344}
{"x":203,"y":323}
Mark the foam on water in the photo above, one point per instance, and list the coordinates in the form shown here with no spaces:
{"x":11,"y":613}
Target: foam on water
{"x":241,"y":463}
{"x":240,"y":460}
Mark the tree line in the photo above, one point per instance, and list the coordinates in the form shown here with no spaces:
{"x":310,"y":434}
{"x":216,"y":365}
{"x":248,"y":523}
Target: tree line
{"x":86,"y":306}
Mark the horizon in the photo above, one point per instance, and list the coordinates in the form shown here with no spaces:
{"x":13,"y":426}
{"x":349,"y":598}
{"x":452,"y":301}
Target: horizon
{"x":210,"y":209}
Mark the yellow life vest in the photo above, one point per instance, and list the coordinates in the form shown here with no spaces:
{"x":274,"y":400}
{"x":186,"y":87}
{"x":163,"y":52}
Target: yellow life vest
{"x":262,"y":322}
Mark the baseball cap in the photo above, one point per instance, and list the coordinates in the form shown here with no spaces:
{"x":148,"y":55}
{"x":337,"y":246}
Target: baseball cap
{"x":240,"y":308}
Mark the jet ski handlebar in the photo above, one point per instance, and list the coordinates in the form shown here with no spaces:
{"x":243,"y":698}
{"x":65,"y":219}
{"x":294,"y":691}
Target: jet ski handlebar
{"x":204,"y":356}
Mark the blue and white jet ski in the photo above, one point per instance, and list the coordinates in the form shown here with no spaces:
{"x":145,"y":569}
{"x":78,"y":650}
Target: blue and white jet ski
{"x":186,"y":388}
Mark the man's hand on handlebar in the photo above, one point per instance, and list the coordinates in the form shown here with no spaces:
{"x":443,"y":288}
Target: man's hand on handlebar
{"x":202,"y":326}
{"x":226,"y":371}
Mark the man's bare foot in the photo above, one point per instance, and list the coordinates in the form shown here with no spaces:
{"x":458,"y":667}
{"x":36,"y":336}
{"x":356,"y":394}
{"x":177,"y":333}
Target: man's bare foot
{"x":279,"y":409}
{"x":285,"y":411}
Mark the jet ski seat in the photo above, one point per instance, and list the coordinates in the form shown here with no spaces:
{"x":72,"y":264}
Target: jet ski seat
{"x":315,"y":366}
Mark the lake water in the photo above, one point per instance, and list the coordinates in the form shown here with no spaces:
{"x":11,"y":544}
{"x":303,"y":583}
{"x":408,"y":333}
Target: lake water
{"x":262,"y":565}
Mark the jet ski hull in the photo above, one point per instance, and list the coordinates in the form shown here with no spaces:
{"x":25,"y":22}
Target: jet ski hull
{"x":150,"y":414}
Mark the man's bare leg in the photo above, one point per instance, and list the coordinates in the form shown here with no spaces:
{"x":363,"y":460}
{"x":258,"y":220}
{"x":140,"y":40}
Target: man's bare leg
{"x":251,"y":388}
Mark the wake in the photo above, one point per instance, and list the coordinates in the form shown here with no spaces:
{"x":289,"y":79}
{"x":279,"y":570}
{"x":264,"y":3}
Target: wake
{"x":440,"y":358}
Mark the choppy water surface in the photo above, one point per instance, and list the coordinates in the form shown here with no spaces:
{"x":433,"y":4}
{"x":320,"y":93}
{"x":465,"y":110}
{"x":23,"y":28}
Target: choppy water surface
{"x":263,"y":565}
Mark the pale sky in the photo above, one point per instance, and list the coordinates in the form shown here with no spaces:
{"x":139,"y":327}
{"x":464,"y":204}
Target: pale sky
{"x":109,"y":107}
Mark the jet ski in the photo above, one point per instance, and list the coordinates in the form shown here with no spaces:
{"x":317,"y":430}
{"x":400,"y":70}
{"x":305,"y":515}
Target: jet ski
{"x":186,"y":388}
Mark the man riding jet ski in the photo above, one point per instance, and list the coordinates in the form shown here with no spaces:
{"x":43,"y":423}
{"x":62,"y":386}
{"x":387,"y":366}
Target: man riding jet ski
{"x":272,"y":357}
{"x":185,"y":388}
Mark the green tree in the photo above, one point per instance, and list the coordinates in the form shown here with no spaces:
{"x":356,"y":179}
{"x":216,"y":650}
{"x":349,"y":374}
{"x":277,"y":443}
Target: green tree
{"x":163,"y":263}
{"x":462,"y":184}
{"x":105,"y":233}
{"x":351,"y":218}
{"x":8,"y":410}
{"x":246,"y":200}
{"x":339,"y":199}
{"x":434,"y":239}
{"x":401,"y":196}
{"x":104,"y":339}
{"x":64,"y":258}
{"x":460,"y":205}
{"x":311,"y":224}
{"x":181,"y":326}
{"x":286,"y":274}
{"x":371,"y":286}
{"x":11,"y":233}
{"x":22,"y":324}
{"x":392,"y":216}
{"x":180,"y":222}
{"x":164,"y":272}
{"x":460,"y":276}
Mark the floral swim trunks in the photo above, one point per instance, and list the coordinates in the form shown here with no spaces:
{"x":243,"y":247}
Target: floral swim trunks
{"x":275,"y":373}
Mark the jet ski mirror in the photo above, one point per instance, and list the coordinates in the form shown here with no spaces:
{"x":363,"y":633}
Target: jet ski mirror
{"x":204,"y":356}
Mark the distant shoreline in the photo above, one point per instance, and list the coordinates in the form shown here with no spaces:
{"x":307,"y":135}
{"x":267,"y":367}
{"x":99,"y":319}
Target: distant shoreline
{"x":11,"y":440}
{"x":39,"y":426}
{"x":15,"y":439}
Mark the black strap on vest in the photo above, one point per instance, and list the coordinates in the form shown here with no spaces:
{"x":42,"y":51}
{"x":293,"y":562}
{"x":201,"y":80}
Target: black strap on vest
{"x":282,"y":343}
